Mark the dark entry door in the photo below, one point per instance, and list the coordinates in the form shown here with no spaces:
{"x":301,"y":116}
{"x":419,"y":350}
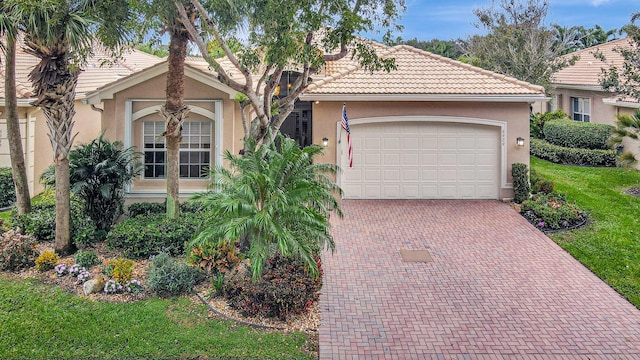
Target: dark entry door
{"x":298,"y":124}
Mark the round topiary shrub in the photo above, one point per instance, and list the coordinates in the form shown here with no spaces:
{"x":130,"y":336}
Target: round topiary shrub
{"x":286,"y":288}
{"x":7,"y":189}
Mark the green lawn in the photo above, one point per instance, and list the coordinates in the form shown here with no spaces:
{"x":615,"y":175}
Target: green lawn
{"x":610,"y":244}
{"x":40,"y":321}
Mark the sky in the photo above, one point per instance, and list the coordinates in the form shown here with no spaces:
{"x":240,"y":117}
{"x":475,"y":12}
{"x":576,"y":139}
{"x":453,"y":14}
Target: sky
{"x":453,"y":19}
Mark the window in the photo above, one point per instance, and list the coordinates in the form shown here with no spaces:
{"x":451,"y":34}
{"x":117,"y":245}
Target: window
{"x":581,"y":109}
{"x":195,"y":150}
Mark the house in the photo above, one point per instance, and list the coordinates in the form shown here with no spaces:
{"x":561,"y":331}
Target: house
{"x":35,"y":141}
{"x":433,"y":128}
{"x":577,"y":91}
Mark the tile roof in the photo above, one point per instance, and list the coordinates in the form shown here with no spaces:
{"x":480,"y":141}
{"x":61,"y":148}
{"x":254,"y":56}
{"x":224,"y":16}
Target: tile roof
{"x":587,"y":69}
{"x":96,"y":73}
{"x":420,"y":72}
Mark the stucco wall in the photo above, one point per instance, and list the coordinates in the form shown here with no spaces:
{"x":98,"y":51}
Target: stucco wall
{"x":115,"y":111}
{"x":601,"y":113}
{"x":5,"y":159}
{"x":327,"y":114}
{"x":87,"y":128}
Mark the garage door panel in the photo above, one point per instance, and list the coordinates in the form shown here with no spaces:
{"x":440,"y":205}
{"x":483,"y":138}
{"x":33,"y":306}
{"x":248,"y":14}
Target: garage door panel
{"x":426,"y":160}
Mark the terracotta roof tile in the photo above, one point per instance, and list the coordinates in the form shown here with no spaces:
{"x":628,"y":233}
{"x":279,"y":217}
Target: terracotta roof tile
{"x":96,"y":73}
{"x":588,"y":69}
{"x":421,"y":72}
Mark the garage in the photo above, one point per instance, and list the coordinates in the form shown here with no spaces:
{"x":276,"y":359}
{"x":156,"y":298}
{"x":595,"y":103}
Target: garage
{"x":421,"y":160}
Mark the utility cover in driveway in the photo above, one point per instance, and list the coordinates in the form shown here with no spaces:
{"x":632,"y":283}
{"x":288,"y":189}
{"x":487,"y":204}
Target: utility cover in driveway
{"x":422,"y":160}
{"x":415,"y":256}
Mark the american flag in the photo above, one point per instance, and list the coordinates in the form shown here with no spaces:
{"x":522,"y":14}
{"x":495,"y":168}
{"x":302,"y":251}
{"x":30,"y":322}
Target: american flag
{"x":345,"y":126}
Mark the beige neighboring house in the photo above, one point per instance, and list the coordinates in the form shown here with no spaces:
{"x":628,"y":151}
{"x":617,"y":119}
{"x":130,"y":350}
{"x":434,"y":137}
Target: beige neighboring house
{"x":577,"y":91}
{"x":434,"y":128}
{"x":33,"y":128}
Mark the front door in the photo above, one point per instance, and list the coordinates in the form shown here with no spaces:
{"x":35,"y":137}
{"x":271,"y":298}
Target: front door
{"x":298,"y":124}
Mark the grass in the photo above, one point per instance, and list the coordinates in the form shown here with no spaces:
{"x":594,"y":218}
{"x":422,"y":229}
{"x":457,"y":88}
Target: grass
{"x":609,"y":245}
{"x":44,"y":322}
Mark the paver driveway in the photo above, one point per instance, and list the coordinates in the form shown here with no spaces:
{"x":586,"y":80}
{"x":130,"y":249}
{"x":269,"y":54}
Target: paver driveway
{"x":496,"y":289}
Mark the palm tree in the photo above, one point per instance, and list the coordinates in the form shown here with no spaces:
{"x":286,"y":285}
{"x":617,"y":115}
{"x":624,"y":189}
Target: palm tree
{"x":9,"y":30}
{"x":162,"y":16}
{"x":62,"y":34}
{"x":99,"y":172}
{"x":273,"y":199}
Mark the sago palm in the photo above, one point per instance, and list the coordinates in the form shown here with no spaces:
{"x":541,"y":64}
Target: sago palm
{"x":99,"y":172}
{"x":276,"y":200}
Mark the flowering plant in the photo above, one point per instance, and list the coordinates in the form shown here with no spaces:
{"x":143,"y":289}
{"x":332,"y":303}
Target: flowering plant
{"x":61,"y":269}
{"x":83,"y":276}
{"x":74,"y":270}
{"x":134,"y":287}
{"x":552,"y":212}
{"x":113,"y":287}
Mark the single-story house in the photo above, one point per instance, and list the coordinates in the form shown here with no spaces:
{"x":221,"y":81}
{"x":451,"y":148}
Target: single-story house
{"x":577,"y":91}
{"x":433,"y":128}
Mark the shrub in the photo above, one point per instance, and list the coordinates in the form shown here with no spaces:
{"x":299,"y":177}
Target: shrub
{"x":539,"y":185}
{"x":86,"y":259}
{"x":286,"y":288}
{"x":537,"y":121}
{"x":564,"y":155}
{"x":272,"y":199}
{"x":99,"y":172}
{"x":520,"y":177}
{"x":577,"y":134}
{"x":168,"y":277}
{"x":122,"y":270}
{"x":216,"y":259}
{"x":47,"y":261}
{"x":146,"y":235}
{"x":41,"y":223}
{"x":552,"y":212}
{"x":7,"y":189}
{"x":148,"y":208}
{"x":17,"y":251}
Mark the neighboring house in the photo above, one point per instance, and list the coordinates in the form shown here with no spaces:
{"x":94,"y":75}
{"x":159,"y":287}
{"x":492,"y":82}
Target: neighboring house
{"x":433,"y":128}
{"x":576,"y":89}
{"x":36,"y":145}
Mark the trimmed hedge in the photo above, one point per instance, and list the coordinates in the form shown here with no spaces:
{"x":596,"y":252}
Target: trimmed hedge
{"x":520,"y":176}
{"x":146,"y":235}
{"x":7,"y":189}
{"x":148,"y":208}
{"x":576,"y":134}
{"x":565,"y":155}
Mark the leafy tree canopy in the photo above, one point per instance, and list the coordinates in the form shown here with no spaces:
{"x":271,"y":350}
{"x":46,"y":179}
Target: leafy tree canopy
{"x":447,"y":48}
{"x":276,"y":36}
{"x":625,"y":79}
{"x":518,"y":44}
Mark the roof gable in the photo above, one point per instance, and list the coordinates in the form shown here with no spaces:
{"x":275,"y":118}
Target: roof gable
{"x":193,"y":69}
{"x":421,"y":74}
{"x":586,"y":72}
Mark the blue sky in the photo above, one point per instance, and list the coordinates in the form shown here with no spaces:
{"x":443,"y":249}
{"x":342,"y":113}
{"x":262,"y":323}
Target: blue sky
{"x":454,"y":19}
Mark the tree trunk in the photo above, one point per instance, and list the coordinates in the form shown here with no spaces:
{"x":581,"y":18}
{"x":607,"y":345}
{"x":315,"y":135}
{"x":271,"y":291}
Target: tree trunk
{"x":19,"y":170}
{"x":174,"y":112}
{"x":63,"y":244}
{"x":57,"y":104}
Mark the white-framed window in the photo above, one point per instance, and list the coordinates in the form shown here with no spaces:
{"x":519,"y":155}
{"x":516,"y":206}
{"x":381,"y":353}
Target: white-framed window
{"x":581,"y":109}
{"x":195,"y":150}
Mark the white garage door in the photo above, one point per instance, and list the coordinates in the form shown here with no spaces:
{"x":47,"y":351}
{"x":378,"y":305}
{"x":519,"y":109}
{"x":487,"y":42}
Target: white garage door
{"x":421,"y":160}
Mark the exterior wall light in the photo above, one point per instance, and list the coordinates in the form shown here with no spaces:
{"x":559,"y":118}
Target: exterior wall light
{"x":325,"y":142}
{"x":520,"y":141}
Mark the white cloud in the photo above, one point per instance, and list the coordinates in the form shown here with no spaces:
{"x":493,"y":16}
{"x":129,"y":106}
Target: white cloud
{"x":599,"y":2}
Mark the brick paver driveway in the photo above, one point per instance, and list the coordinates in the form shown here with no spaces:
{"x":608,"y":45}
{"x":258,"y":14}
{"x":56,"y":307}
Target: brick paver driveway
{"x":496,"y":289}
